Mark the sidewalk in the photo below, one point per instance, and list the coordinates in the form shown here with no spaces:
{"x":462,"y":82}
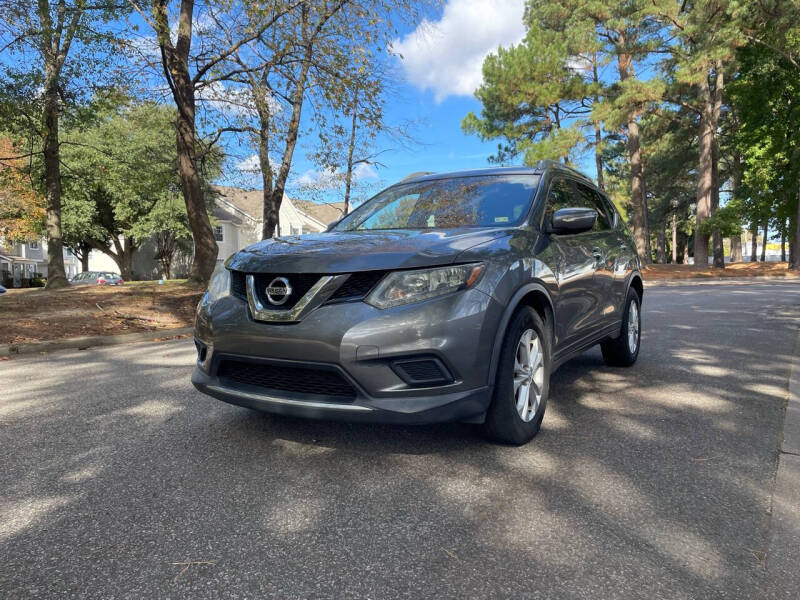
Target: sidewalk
{"x":651,"y":282}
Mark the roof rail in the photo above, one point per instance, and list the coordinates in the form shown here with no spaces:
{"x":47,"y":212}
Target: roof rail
{"x":415,"y":175}
{"x":545,"y":163}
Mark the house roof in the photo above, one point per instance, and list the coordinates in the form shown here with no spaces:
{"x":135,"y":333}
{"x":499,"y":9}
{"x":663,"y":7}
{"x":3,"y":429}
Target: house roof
{"x":323,"y":212}
{"x":250,"y":202}
{"x":221,"y":214}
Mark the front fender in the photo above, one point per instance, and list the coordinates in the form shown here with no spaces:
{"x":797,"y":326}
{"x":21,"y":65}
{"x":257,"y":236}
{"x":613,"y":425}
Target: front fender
{"x":538,"y":287}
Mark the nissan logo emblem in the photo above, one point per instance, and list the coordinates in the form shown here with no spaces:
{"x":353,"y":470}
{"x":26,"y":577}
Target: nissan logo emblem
{"x":278,"y":291}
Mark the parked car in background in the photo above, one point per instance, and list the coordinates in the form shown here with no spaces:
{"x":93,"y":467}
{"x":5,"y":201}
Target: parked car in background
{"x":446,"y":297}
{"x":2,"y":290}
{"x":97,"y":278}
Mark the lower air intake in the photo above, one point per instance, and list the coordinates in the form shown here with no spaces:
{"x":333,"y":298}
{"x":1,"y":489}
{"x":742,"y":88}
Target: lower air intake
{"x":298,"y":380}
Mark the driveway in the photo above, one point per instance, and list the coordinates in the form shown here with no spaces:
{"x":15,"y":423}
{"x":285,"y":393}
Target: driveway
{"x":118,"y":480}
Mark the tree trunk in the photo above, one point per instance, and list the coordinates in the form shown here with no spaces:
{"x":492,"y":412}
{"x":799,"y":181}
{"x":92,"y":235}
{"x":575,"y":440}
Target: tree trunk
{"x":764,"y":243}
{"x":674,"y":239}
{"x":641,"y":233}
{"x":661,"y":242}
{"x":175,"y":60}
{"x":683,"y":248}
{"x":716,"y":235}
{"x":794,"y":250}
{"x":350,"y":148}
{"x":794,"y":238}
{"x":122,"y":255}
{"x":783,"y":243}
{"x":298,"y":93}
{"x":56,"y":275}
{"x":269,"y":213}
{"x":205,"y":246}
{"x":705,"y":174}
{"x":753,"y":242}
{"x":736,"y":248}
{"x":598,"y":134}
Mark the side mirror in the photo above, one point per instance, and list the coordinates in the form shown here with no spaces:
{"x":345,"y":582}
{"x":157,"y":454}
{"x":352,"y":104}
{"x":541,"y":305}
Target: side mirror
{"x":572,"y":220}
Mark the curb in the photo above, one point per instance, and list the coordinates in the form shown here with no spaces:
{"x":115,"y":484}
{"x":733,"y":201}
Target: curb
{"x":783,"y":552}
{"x":89,"y":341}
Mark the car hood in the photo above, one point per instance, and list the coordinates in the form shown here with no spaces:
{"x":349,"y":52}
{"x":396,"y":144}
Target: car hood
{"x":348,"y":251}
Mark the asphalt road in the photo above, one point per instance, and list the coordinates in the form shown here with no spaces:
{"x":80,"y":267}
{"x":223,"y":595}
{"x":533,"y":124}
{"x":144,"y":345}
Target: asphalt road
{"x":118,"y":480}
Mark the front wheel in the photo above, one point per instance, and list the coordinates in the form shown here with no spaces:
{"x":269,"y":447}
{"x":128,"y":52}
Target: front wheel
{"x":523,"y":381}
{"x":623,"y":351}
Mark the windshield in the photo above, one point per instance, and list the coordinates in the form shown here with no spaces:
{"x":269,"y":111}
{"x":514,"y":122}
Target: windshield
{"x":482,"y":201}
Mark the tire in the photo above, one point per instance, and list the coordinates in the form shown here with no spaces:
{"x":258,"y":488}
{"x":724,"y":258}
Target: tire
{"x":504,"y":422}
{"x":621,"y":352}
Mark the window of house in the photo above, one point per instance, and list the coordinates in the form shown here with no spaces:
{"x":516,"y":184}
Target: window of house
{"x":33,"y":245}
{"x":219,"y":235}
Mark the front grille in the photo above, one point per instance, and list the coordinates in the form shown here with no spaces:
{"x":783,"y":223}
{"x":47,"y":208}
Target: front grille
{"x":238,"y":284}
{"x":299,"y":282}
{"x":300,"y":380}
{"x":357,"y":286}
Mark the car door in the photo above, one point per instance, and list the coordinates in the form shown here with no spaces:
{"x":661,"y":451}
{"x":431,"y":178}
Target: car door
{"x":605,"y":250}
{"x":624,"y":256}
{"x":570,"y":257}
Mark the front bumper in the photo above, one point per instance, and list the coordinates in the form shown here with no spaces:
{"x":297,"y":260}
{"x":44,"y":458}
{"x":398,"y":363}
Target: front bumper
{"x":459,"y":406}
{"x":363,"y":344}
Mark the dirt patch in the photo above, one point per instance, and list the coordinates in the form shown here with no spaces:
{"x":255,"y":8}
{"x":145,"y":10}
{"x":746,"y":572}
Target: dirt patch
{"x":35,"y":314}
{"x":743,"y":269}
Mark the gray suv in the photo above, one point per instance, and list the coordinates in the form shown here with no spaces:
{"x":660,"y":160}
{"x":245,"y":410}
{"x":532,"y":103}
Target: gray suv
{"x":446,"y":297}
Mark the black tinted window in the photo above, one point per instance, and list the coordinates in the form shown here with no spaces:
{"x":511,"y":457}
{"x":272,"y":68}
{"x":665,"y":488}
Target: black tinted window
{"x":591,"y":199}
{"x":487,"y":201}
{"x":567,"y":194}
{"x":562,"y":195}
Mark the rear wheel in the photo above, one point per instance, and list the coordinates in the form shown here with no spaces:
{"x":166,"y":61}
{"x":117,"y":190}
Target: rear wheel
{"x":523,"y":381}
{"x":623,"y":351}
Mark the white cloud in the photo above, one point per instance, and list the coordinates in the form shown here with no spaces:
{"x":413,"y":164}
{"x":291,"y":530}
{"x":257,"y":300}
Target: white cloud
{"x":331,"y":179}
{"x":446,"y":56}
{"x":252,"y":164}
{"x":365,"y":172}
{"x":325,"y":179}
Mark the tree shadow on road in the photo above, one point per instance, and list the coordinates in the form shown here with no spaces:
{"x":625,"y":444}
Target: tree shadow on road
{"x":649,"y":482}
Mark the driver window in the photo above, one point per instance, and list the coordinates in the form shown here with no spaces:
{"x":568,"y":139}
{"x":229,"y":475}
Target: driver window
{"x":561,"y":196}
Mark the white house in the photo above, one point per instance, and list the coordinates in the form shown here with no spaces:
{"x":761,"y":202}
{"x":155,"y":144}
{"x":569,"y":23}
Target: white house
{"x":19,"y":263}
{"x":236,"y":219}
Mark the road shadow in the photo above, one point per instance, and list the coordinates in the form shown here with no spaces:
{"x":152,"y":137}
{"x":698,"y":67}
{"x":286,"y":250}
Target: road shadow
{"x":649,"y":482}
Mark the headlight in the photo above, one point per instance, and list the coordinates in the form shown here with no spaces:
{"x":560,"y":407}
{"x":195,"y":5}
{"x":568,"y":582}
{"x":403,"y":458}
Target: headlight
{"x":219,"y":285}
{"x":405,"y":287}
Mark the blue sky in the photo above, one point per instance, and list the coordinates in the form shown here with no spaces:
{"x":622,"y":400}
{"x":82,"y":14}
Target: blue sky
{"x":440,"y":69}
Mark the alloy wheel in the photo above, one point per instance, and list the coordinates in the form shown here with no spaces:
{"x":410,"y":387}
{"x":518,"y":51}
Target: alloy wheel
{"x":528,"y":375}
{"x":633,"y":327}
